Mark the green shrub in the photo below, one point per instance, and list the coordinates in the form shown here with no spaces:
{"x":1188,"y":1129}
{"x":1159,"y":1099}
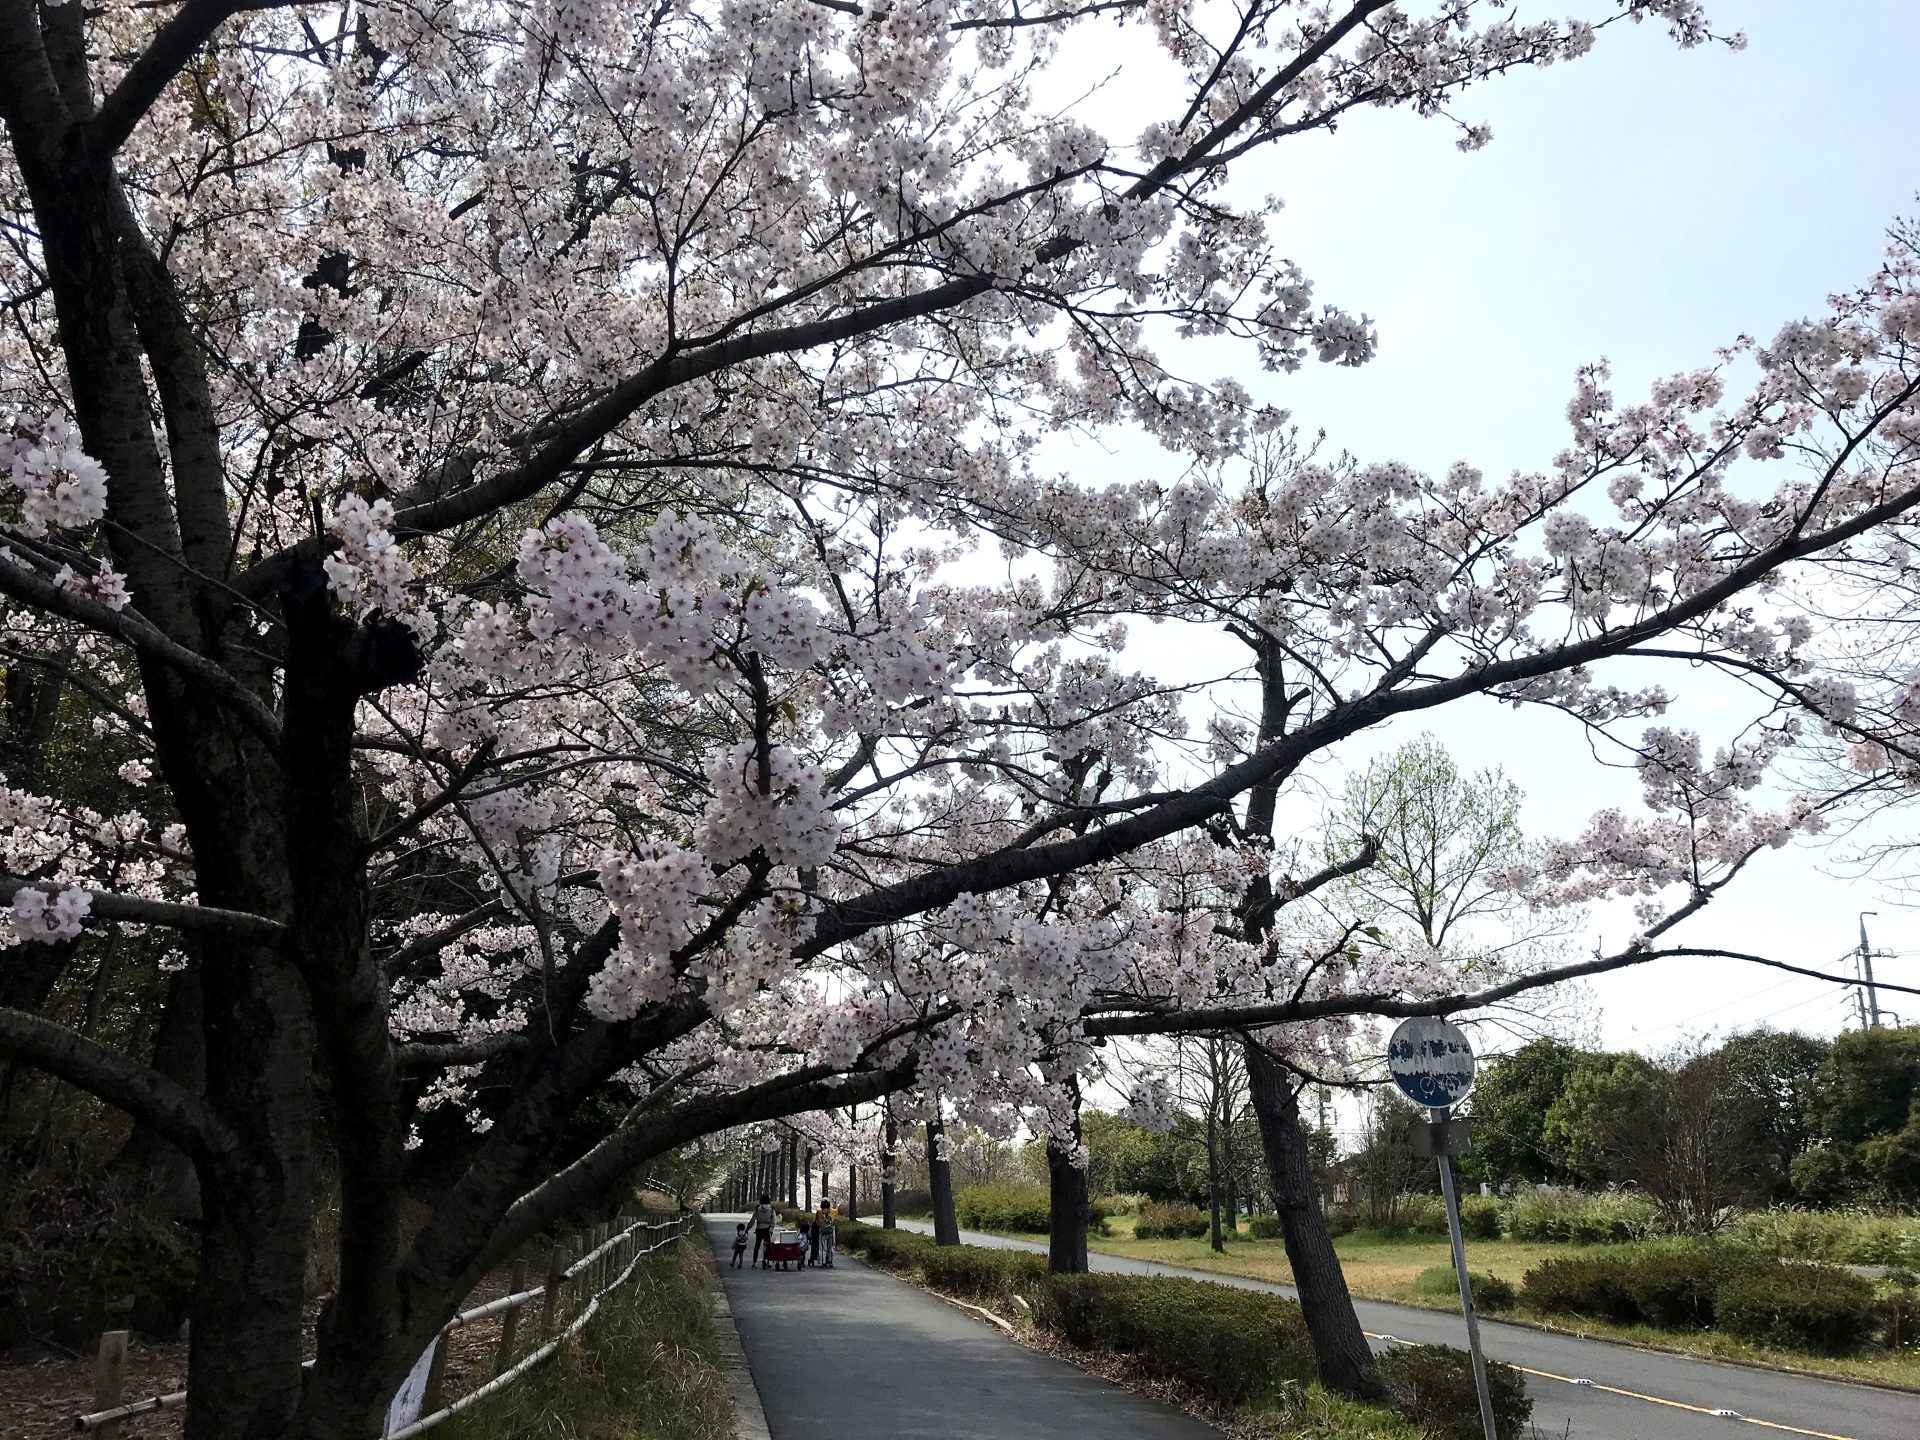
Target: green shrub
{"x":1578,"y":1217}
{"x":1264,"y":1227}
{"x":1490,"y":1292}
{"x":1481,"y":1217}
{"x":1814,"y":1308}
{"x":912,"y":1202}
{"x":892,"y":1249}
{"x":1024,"y":1209}
{"x":977,"y":1272}
{"x":1433,"y":1387}
{"x":1419,"y":1215}
{"x":1229,"y":1345}
{"x":152,"y":1263}
{"x":1591,"y":1285}
{"x":1164,"y":1221}
{"x":1674,"y":1288}
{"x":1121,"y":1204}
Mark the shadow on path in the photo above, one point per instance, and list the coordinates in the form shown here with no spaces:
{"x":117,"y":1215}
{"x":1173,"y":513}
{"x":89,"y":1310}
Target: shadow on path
{"x":854,"y":1354}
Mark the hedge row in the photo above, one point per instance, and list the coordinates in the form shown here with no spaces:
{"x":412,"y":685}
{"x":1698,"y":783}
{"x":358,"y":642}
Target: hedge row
{"x":1755,"y":1297}
{"x":1025,"y":1209}
{"x":1228,"y":1345}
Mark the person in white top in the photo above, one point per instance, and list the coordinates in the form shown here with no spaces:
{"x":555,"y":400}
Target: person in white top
{"x":763,"y":1218}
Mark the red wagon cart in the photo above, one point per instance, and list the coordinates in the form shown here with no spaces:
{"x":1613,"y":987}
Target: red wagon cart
{"x":787,"y":1248}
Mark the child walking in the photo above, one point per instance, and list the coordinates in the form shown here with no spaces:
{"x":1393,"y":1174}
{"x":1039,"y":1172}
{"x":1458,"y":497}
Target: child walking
{"x":739,"y":1244}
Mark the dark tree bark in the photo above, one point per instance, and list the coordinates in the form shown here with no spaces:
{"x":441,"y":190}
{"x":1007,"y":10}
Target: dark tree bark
{"x":793,"y":1169}
{"x":156,"y":1173}
{"x":946,"y":1225}
{"x":853,"y":1191}
{"x":1213,"y":1178}
{"x":1342,"y":1357}
{"x":1067,"y":1196}
{"x":889,"y":1162}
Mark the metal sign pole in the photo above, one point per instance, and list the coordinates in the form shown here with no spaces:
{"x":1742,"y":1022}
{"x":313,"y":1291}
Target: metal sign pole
{"x":1440,"y":1114}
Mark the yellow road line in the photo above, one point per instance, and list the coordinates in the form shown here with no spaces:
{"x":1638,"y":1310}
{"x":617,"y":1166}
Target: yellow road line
{"x":1650,"y":1399}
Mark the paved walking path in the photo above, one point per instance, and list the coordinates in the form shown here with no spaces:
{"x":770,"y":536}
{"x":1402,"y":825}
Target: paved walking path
{"x":854,"y":1354}
{"x":1635,"y":1395}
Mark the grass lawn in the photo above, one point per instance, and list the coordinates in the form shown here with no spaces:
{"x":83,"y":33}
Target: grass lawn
{"x":1385,"y":1269}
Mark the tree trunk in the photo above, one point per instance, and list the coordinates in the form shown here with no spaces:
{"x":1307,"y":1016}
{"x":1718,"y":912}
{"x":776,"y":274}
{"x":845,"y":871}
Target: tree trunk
{"x":946,"y":1226}
{"x":806,"y":1176}
{"x":889,"y":1169}
{"x":853,"y":1191}
{"x":1341,"y":1355}
{"x":1212,"y":1181}
{"x":1067,"y":1196}
{"x":158,"y":1176}
{"x":793,"y":1170}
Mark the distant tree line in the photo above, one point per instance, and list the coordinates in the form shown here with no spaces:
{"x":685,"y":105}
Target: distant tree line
{"x":1764,"y":1117}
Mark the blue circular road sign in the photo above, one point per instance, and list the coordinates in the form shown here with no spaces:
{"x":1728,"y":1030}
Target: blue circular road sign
{"x":1431,"y":1062}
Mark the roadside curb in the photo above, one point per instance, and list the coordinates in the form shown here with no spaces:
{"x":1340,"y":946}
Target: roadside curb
{"x":749,"y":1417}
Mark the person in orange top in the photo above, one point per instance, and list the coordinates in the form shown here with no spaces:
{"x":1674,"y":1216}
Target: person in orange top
{"x":823,"y":1235}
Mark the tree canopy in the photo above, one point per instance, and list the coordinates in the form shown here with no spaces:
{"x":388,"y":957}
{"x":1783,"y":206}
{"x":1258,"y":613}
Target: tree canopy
{"x":542,"y":504}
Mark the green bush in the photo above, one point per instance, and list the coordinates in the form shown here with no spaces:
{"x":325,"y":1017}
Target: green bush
{"x":892,"y":1249}
{"x":1481,"y":1217}
{"x":1264,"y":1227}
{"x":1122,"y":1204}
{"x":979,"y":1273}
{"x":1024,"y":1209}
{"x":1433,"y":1387}
{"x":1577,"y":1217}
{"x":1490,"y":1292}
{"x":1846,"y":1237}
{"x":1420,"y":1215}
{"x":1164,"y":1221}
{"x":1591,"y":1285}
{"x":1229,"y":1345}
{"x":1674,"y":1288}
{"x":912,"y":1202}
{"x":1800,"y":1306}
{"x":1814,"y":1308}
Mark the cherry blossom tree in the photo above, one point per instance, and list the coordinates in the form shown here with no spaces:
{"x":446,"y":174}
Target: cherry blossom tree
{"x":517,"y":482}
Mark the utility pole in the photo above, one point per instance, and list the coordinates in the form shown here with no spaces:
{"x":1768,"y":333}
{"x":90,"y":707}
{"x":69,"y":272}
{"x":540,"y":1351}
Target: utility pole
{"x":1866,"y":972}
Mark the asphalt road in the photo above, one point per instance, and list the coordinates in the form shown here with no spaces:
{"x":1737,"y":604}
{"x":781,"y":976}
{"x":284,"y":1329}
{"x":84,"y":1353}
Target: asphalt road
{"x":1634,"y":1395}
{"x":854,"y":1354}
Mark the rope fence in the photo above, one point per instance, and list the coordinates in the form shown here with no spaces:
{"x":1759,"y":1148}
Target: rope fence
{"x":607,"y":1261}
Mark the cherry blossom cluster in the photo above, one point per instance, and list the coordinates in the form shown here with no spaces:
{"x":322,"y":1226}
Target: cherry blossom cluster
{"x":59,"y":485}
{"x":367,"y":570}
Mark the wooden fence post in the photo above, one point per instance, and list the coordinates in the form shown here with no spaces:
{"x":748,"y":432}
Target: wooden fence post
{"x":110,"y":1378}
{"x":510,"y":1322}
{"x":556,"y":1282}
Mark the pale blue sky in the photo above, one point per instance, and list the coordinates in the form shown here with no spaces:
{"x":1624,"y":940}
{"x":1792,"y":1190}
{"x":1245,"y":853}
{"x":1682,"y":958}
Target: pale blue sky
{"x":1645,"y":204}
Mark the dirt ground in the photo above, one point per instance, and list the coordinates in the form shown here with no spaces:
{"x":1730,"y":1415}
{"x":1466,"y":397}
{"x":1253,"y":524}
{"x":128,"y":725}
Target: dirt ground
{"x":40,"y":1394}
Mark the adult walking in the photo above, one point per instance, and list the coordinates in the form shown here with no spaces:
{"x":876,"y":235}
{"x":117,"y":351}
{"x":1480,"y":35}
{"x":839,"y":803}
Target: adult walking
{"x":763,"y":1218}
{"x":823,"y":1235}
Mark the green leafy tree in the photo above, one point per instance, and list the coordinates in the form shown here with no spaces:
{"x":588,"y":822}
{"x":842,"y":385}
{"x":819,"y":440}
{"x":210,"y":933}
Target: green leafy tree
{"x":1578,"y":1130}
{"x":1773,"y":1074}
{"x":1869,"y":1108}
{"x":1510,"y":1101}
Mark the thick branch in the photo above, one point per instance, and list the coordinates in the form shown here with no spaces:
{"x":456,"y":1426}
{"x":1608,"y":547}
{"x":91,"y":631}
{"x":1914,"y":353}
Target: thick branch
{"x":135,"y":630}
{"x":199,"y":919}
{"x":192,"y":25}
{"x":171,"y":1109}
